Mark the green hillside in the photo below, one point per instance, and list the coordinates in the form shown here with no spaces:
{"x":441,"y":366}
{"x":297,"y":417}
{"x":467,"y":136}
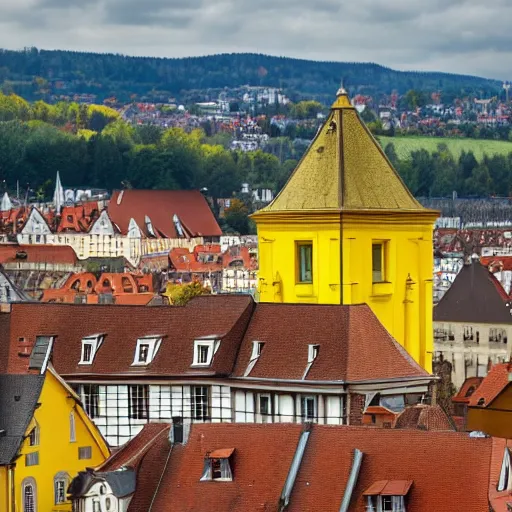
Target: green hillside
{"x":405,"y":145}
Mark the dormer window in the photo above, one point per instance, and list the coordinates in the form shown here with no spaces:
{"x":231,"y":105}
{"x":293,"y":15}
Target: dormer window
{"x":387,"y":496}
{"x":146,"y":350}
{"x":217,"y":466}
{"x":313,"y":351}
{"x":257,"y":347}
{"x":204,"y":350}
{"x":90,"y":346}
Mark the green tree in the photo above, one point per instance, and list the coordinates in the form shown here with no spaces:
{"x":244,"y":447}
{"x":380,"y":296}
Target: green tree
{"x":237,"y":217}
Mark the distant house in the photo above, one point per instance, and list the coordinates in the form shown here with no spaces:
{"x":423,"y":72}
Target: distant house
{"x":473,"y":323}
{"x":295,"y":468}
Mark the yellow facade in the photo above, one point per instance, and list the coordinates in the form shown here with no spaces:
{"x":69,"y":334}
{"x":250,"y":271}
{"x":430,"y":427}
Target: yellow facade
{"x":343,"y":198}
{"x":57,"y":418}
{"x":494,"y":419}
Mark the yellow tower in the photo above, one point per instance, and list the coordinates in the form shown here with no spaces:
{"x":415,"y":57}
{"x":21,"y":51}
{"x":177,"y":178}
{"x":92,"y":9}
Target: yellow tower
{"x":346,"y":230}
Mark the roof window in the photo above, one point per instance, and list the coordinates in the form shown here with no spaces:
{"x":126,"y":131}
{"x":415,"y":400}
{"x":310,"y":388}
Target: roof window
{"x":504,"y":483}
{"x":257,"y":347}
{"x":146,"y":350}
{"x":217,"y":466}
{"x":387,"y":495}
{"x":313,"y":351}
{"x":90,"y":346}
{"x":149,"y":226}
{"x":204,"y":350}
{"x":41,"y":353}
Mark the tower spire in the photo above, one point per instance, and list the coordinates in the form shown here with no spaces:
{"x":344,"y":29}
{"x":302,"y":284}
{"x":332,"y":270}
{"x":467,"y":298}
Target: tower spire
{"x":6,"y":204}
{"x":58,"y":195}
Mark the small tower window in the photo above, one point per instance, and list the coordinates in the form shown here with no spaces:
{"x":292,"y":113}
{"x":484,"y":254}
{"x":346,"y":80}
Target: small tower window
{"x":304,"y":262}
{"x":378,"y":275}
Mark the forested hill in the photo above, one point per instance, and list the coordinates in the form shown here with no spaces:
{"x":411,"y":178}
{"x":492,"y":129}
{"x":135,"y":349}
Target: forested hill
{"x":118,"y":75}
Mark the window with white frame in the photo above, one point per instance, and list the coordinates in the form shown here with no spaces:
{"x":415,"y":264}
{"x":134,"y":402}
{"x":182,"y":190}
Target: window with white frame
{"x":146,"y":350}
{"x":29,"y":495}
{"x":313,"y":351}
{"x":308,"y":408}
{"x":90,"y":395}
{"x":200,"y":402}
{"x":204,"y":350}
{"x":90,"y":346}
{"x":60,"y":484}
{"x":385,"y":504}
{"x":217,"y":466}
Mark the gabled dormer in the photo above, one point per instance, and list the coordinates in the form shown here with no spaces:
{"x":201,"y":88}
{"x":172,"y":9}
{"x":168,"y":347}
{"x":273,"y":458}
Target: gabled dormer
{"x":36,"y":224}
{"x":133,"y":229}
{"x":204,"y":350}
{"x":146,"y":350}
{"x":505,"y":482}
{"x":102,"y":225}
{"x":90,"y":346}
{"x":41,"y":353}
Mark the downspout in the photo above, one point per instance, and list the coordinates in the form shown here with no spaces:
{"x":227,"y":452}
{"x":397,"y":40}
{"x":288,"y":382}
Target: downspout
{"x":352,"y":480}
{"x":12,"y":492}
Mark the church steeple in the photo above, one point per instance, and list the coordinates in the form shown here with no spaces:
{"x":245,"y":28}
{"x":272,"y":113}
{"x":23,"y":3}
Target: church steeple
{"x":344,"y":168}
{"x":346,"y":230}
{"x":58,"y":195}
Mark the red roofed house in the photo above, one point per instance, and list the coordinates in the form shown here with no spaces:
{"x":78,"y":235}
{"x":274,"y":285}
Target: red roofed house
{"x":473,"y":323}
{"x":490,"y":405}
{"x":220,"y":358}
{"x":297,"y":468}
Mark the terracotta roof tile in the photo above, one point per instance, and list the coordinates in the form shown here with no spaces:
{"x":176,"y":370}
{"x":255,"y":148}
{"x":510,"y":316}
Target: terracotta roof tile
{"x":353,"y":344}
{"x":223,"y":315}
{"x":37,"y":253}
{"x":160,"y":206}
{"x":492,"y":385}
{"x":425,"y":417}
{"x":437,"y":467}
{"x":440,"y":464}
{"x":467,"y":389}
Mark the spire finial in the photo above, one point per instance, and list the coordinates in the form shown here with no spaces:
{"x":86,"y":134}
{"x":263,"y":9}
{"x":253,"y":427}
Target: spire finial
{"x":342,"y":99}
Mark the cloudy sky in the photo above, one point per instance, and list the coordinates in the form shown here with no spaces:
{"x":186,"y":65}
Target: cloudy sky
{"x":462,"y":36}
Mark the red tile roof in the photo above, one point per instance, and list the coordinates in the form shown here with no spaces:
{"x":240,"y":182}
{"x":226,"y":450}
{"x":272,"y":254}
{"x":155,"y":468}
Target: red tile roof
{"x":492,"y":385}
{"x":467,"y":389}
{"x":448,"y":471}
{"x":389,"y":488}
{"x":160,"y":206}
{"x":131,"y":454}
{"x":353,"y":344}
{"x":425,"y":417}
{"x":440,"y":464}
{"x":223,"y":315}
{"x":36,"y":253}
{"x":260,"y":466}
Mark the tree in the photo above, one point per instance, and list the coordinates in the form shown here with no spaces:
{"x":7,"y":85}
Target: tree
{"x":180,"y":295}
{"x":237,"y":216}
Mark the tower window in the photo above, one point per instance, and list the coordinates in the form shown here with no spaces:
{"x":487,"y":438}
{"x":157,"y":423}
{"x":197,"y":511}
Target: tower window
{"x":378,"y":262}
{"x":304,"y":262}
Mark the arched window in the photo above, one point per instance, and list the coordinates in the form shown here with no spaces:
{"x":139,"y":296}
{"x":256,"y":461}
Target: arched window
{"x":72,"y":427}
{"x":60,"y":485}
{"x":29,"y":495}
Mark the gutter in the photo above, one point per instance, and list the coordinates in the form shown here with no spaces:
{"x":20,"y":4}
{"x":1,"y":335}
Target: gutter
{"x":284,"y":500}
{"x":428,"y":378}
{"x":352,"y":480}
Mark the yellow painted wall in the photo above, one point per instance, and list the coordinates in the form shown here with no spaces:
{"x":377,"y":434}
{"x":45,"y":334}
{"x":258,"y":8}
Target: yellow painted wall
{"x":56,"y":452}
{"x":4,"y":489}
{"x":496,"y":419}
{"x":404,"y":306}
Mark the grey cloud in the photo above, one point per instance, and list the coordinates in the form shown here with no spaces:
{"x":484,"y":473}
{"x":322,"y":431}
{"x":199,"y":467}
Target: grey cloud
{"x":449,"y":35}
